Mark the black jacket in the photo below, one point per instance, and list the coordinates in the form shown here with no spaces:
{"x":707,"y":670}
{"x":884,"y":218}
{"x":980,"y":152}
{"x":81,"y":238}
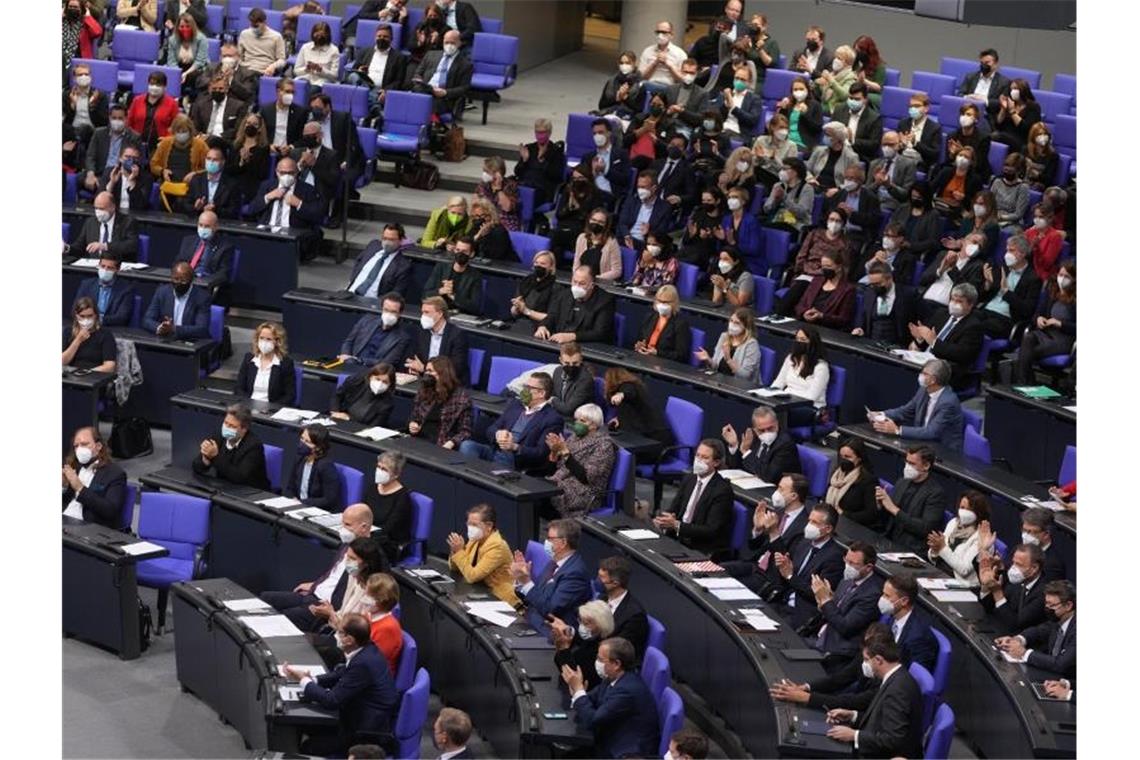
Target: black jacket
{"x":675,"y":341}
{"x":867,"y":216}
{"x":453,"y":346}
{"x":825,"y":561}
{"x":694,"y":108}
{"x":569,"y":395}
{"x":847,"y":614}
{"x":892,"y":725}
{"x":395,"y":68}
{"x":217,"y":258}
{"x":711,"y":528}
{"x":95,"y":157}
{"x":785,"y":543}
{"x":903,"y":311}
{"x":297,"y":116}
{"x":632,"y":624}
{"x":1022,"y":609}
{"x":920,"y":512}
{"x":124,"y":238}
{"x":324,"y":173}
{"x":244,"y":465}
{"x":929,"y":144}
{"x":396,"y":278}
{"x":227,"y":196}
{"x":1022,"y":298}
{"x":868,"y":130}
{"x":392,"y":514}
{"x":961,"y":347}
{"x":324,"y":484}
{"x":998,"y":85}
{"x":1042,"y":638}
{"x":780,"y":458}
{"x":354,"y":391}
{"x":681,"y":181}
{"x":545,"y":174}
{"x":282,"y":380}
{"x":102,"y":501}
{"x":592,"y":320}
{"x":858,"y":503}
{"x":307,"y":217}
{"x":467,"y":19}
{"x":232,"y":115}
{"x":638,"y":412}
{"x":811,"y":122}
{"x":496,"y":245}
{"x":467,"y":294}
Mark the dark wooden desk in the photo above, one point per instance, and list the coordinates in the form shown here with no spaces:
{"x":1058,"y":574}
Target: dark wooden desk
{"x":81,"y":394}
{"x":1030,"y":433}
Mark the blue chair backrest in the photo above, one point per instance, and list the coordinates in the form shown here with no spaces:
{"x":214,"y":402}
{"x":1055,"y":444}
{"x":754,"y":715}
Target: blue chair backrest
{"x":274,"y":460}
{"x":127,"y":515}
{"x":925,"y":683}
{"x":136,"y":311}
{"x":764,"y":293}
{"x":778,"y":85}
{"x":348,"y":99}
{"x":768,"y":360}
{"x":274,"y":19}
{"x":777,"y":248}
{"x":366,"y":33}
{"x":741,"y":520}
{"x":407,"y":114}
{"x":687,"y":275}
{"x":686,"y":419}
{"x":998,"y":152}
{"x":655,"y":671}
{"x":836,"y":386}
{"x":628,"y":262}
{"x":1002,"y":548}
{"x":972,"y":418}
{"x":494,"y":57}
{"x":619,"y":329}
{"x":1053,"y":104}
{"x":579,"y":136}
{"x":526,"y":205}
{"x":527,"y":245}
{"x":305,"y":24}
{"x":476,"y":356}
{"x":504,"y":369}
{"x":942,"y":663}
{"x":1068,"y":471}
{"x":896,"y":101}
{"x":104,"y":74}
{"x":1061,"y":178}
{"x":66,"y":229}
{"x":935,"y":85}
{"x":173,"y":79}
{"x":671,"y":713}
{"x":959,"y":68}
{"x":235,"y":262}
{"x":1066,"y":83}
{"x":537,"y":558}
{"x":1029,"y":75}
{"x":70,"y":189}
{"x":217,"y":320}
{"x":213,"y":48}
{"x":657,"y":638}
{"x":815,"y":466}
{"x":144,"y":241}
{"x":179,"y":522}
{"x":619,"y":480}
{"x":422,"y":508}
{"x":298,"y":372}
{"x":696,"y":340}
{"x":406,"y":663}
{"x":215,"y":20}
{"x":975,"y":446}
{"x":492,"y":25}
{"x":412,"y":716}
{"x":351,"y":484}
{"x":894,"y":76}
{"x":131,"y":46}
{"x":941,"y":734}
{"x":267,"y":90}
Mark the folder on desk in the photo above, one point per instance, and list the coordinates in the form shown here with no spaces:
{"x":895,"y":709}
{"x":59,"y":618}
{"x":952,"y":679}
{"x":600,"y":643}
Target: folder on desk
{"x":322,"y":363}
{"x":814,"y":727}
{"x":803,"y":655}
{"x":1036,"y":391}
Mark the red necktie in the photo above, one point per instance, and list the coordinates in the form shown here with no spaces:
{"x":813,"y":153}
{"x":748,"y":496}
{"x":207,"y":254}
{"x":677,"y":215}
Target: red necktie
{"x":197,"y":254}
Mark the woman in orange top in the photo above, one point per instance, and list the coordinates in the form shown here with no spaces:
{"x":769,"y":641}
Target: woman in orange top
{"x":665,"y":332}
{"x":386,"y":633}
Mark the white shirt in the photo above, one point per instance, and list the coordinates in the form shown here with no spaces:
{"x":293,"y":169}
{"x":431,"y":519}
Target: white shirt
{"x":325,"y":590}
{"x":326,"y":133}
{"x":82,"y":113}
{"x":261,"y":382}
{"x":855,"y":717}
{"x":852,"y":123}
{"x":279,"y":216}
{"x":378,"y":258}
{"x":982,"y":88}
{"x":1060,"y":635}
{"x":526,"y":587}
{"x":281,"y":126}
{"x":731,"y":124}
{"x":124,"y":194}
{"x":379,"y":63}
{"x":347,"y":659}
{"x":328,"y":57}
{"x":930,"y":402}
{"x":217,"y":118}
{"x":614,"y":603}
{"x":698,"y":491}
{"x":939,"y":290}
{"x":662,"y":74}
{"x":453,"y":753}
{"x":812,"y":387}
{"x":75,"y":509}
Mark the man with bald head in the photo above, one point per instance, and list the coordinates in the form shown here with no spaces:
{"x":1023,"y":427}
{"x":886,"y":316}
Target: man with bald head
{"x":179,"y":310}
{"x":286,"y":203}
{"x":583,"y":314}
{"x":109,"y":231}
{"x":891,"y":176}
{"x":317,"y":165}
{"x":208,"y":251}
{"x":355,"y":522}
{"x":445,"y":75}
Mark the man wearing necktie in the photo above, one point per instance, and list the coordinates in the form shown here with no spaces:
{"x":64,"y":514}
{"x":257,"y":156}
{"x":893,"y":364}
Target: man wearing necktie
{"x":675,"y":176}
{"x":562,"y":586}
{"x":445,"y":75}
{"x":934,"y":413}
{"x":848,"y":610}
{"x":380,"y":268}
{"x":113,"y":295}
{"x":957,"y":339}
{"x":1051,"y":645}
{"x":700,"y":516}
{"x":818,"y":555}
{"x":109,"y":230}
{"x":283,"y":202}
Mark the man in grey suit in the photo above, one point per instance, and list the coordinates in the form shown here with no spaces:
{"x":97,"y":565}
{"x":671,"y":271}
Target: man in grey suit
{"x":891,"y":176}
{"x":934,"y":414}
{"x":106,"y":146}
{"x":687,"y":101}
{"x":445,"y":75}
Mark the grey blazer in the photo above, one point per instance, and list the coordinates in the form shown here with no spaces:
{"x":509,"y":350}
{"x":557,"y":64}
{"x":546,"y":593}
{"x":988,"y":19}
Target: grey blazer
{"x":746,"y":355}
{"x":897,"y":190}
{"x":818,"y":160}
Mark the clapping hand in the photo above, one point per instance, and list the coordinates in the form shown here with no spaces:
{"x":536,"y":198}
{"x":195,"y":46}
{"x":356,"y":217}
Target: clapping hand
{"x":573,"y":678}
{"x":935,"y":541}
{"x":520,"y":568}
{"x":455,"y":543}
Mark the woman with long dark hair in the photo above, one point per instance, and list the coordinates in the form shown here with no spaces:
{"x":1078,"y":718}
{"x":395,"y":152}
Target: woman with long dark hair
{"x":805,"y":373}
{"x":315,"y":480}
{"x":442,"y":409}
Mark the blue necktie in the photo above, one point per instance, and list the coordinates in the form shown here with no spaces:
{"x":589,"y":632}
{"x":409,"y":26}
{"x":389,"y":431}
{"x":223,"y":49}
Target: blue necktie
{"x":441,"y":71}
{"x":371,"y":279}
{"x":946,"y":328}
{"x":104,"y":299}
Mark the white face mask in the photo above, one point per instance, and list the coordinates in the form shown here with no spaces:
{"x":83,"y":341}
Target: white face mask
{"x":688,"y":79}
{"x":923,"y":381}
{"x":783,"y":175}
{"x":87,"y":323}
{"x":799,"y":95}
{"x":733,"y":204}
{"x":626,"y":69}
{"x":450,"y":48}
{"x":961,"y":162}
{"x":644,"y":193}
{"x":83,"y":80}
{"x":599,"y":140}
{"x":700,"y":467}
{"x":767,"y":439}
{"x":811,"y":531}
{"x":578,"y":292}
{"x":83,"y":454}
{"x":486,"y":178}
{"x":388,"y":319}
{"x":662,"y":39}
{"x":377,"y":386}
{"x":1042,"y":140}
{"x":427,"y":322}
{"x":663,"y":309}
{"x":155,"y":90}
{"x":888,"y":151}
{"x":474,"y":533}
{"x":889,"y":244}
{"x":885,"y":606}
{"x":735,"y":329}
{"x":346,"y":535}
{"x":1040,"y":222}
{"x":837,"y":64}
{"x":382,"y":476}
{"x":781,"y":134}
{"x":117,"y":125}
{"x":286,"y":180}
{"x":867,"y":671}
{"x":956,"y":309}
{"x":1010,"y":259}
{"x":979,"y":209}
{"x":972,"y":250}
{"x":849,"y":185}
{"x":102,"y":216}
{"x":965,"y":120}
{"x":850,"y":572}
{"x":724,"y":266}
{"x":966,"y":517}
{"x":1015,"y":95}
{"x":1014,"y":575}
{"x":1029,"y":538}
{"x":229,"y":61}
{"x":287,"y":99}
{"x":600,"y":669}
{"x":653,"y":250}
{"x":266,"y":346}
{"x":834,"y":227}
{"x":910,"y":472}
{"x":1064,"y":283}
{"x":585,"y":634}
{"x":742,"y":166}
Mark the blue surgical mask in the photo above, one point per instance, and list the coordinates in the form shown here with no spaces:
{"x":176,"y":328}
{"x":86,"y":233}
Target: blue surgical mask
{"x":128,"y":165}
{"x":106,"y":276}
{"x":205,"y":233}
{"x":212,"y":166}
{"x":914,"y":112}
{"x":228,"y":433}
{"x":548,"y":547}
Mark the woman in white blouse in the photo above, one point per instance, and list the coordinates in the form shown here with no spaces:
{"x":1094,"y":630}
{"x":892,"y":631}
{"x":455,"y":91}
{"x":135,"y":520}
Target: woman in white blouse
{"x":805,"y":373}
{"x":957,"y":547}
{"x":266,"y":373}
{"x":737,"y":352}
{"x":318,"y":61}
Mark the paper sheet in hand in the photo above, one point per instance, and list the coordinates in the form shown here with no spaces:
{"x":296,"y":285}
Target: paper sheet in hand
{"x":711,"y":583}
{"x":639,"y":534}
{"x":246,"y":605}
{"x":377,"y":433}
{"x":314,"y":670}
{"x":953,"y":595}
{"x":403,"y":378}
{"x":289,"y":693}
{"x":270,"y":626}
{"x":733,"y":594}
{"x":279,"y":502}
{"x":141,"y":547}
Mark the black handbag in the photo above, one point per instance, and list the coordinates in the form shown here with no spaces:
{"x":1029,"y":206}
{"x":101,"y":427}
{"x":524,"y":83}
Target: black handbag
{"x":421,"y":175}
{"x":130,"y":437}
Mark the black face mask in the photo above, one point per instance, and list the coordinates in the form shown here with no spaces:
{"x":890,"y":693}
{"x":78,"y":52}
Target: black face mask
{"x":846,"y":465}
{"x":310,"y":141}
{"x":251,"y":130}
{"x":710,"y":207}
{"x":656,"y":110}
{"x":217,"y":97}
{"x":798,"y":348}
{"x":181,"y":288}
{"x":916,"y":201}
{"x":811,"y":45}
{"x":985,"y":68}
{"x":860,"y":59}
{"x":319,"y":41}
{"x":827,"y":272}
{"x":571,"y":370}
{"x":428,"y":381}
{"x":881,"y":291}
{"x":73,"y":14}
{"x":383,"y":43}
{"x":596,"y":228}
{"x":675,"y":152}
{"x":539,"y":272}
{"x":1009,"y":174}
{"x":462,"y":258}
{"x":318,"y":114}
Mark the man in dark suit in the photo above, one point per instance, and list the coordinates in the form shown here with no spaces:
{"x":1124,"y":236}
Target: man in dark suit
{"x":564,"y":584}
{"x":338,"y":134}
{"x":675,"y":176}
{"x":108,"y":231}
{"x":886,"y":722}
{"x":105,"y":147}
{"x":630,"y":621}
{"x":920,"y":136}
{"x":777,"y":528}
{"x":762,"y":449}
{"x":438,"y":337}
{"x":283,"y":118}
{"x":584,"y":315}
{"x":208,"y":252}
{"x":179,"y":310}
{"x":237,"y":455}
{"x":643,"y":213}
{"x":517,"y":439}
{"x":573,"y":381}
{"x":915,"y":508}
{"x":380,"y":267}
{"x":700,"y":516}
{"x":620,"y":711}
{"x":451,"y":732}
{"x":379,"y":337}
{"x":212,"y":190}
{"x":848,"y":610}
{"x":1037,"y":528}
{"x":817,"y":555}
{"x":892,"y":175}
{"x":933,"y":414}
{"x":380,"y":68}
{"x":740,"y":103}
{"x":317,"y":166}
{"x":1018,"y":602}
{"x":284,"y":202}
{"x":445,"y":75}
{"x":217,"y":113}
{"x":129,"y":182}
{"x":362,"y":691}
{"x":1051,"y":645}
{"x":957,"y":337}
{"x":859,"y":205}
{"x":609,"y":162}
{"x":687,"y":101}
{"x":890,"y":306}
{"x":463,"y":18}
{"x":863,"y":121}
{"x":1011,"y":294}
{"x":987,"y":84}
{"x":241,"y":81}
{"x":114,"y":296}
{"x":330,"y":586}
{"x":813,"y":58}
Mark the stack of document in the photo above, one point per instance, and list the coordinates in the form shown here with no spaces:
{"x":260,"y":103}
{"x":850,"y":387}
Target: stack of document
{"x":307,"y":512}
{"x":377,"y":433}
{"x":495,"y":613}
{"x":141,"y":547}
{"x":727,"y":589}
{"x":942,"y":584}
{"x":954,"y":595}
{"x":129,"y":265}
{"x":279,"y":502}
{"x":758,"y":620}
{"x":705,"y":566}
{"x":427,"y":574}
{"x":913,"y":357}
{"x":744,"y":480}
{"x":1035,"y":502}
{"x":252,"y":604}
{"x":289,"y":414}
{"x":270,"y":626}
{"x":639,"y":534}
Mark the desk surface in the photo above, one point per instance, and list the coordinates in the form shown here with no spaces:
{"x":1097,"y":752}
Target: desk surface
{"x":1054,"y":406}
{"x":144,"y":339}
{"x":88,"y":380}
{"x":105,"y":543}
{"x":149,"y":274}
{"x":191,"y":223}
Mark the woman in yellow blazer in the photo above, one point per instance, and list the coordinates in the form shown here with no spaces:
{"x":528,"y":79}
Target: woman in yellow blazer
{"x":180,"y":154}
{"x":485,"y":556}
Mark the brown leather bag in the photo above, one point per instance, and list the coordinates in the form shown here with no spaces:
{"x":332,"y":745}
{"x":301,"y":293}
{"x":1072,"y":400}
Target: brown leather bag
{"x":454,"y":145}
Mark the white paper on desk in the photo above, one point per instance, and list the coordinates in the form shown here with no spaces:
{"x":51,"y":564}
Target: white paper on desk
{"x":92,"y":263}
{"x":129,"y":265}
{"x":403,"y":378}
{"x":954,"y":595}
{"x":1072,"y":408}
{"x":246,"y":605}
{"x":495,"y":606}
{"x":734,"y":474}
{"x":289,"y":414}
{"x":775,"y":320}
{"x":751,"y":484}
{"x":314,"y":670}
{"x":639,"y":534}
{"x":759,"y":621}
{"x":289,"y":693}
{"x":327,"y":422}
{"x":270,"y":626}
{"x":898,"y":556}
{"x":378,"y":433}
{"x":279,"y":502}
{"x":712,"y":583}
{"x":426,"y":573}
{"x":494,"y":618}
{"x":733,"y":594}
{"x":141,"y":547}
{"x":301,"y":514}
{"x":766,"y":392}
{"x":913,"y":357}
{"x":1050,"y":504}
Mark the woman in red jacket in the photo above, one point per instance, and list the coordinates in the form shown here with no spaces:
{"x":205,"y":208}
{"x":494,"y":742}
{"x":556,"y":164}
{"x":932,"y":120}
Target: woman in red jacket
{"x":152,"y":112}
{"x":80,"y":30}
{"x":829,"y":299}
{"x":386,"y":632}
{"x":1046,"y":241}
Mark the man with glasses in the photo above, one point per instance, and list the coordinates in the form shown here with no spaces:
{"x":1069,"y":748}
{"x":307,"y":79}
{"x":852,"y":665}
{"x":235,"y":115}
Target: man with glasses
{"x":518,"y":438}
{"x":562,"y":586}
{"x":284,"y":203}
{"x":661,"y":62}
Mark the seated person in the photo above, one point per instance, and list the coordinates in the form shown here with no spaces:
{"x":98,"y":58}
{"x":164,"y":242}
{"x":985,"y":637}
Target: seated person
{"x":630,"y":620}
{"x":597,"y":247}
{"x":772,"y":148}
{"x":920,"y":225}
{"x":565,"y":583}
{"x":777,"y":528}
{"x":851,"y":488}
{"x":584,"y":463}
{"x":578,"y":648}
{"x":961,"y":263}
{"x":761,"y":449}
{"x":818,"y":555}
{"x":737,"y":352}
{"x":953,"y":185}
{"x":1014,"y":597}
{"x":179,"y":310}
{"x":129,"y":182}
{"x":442,"y":409}
{"x":666,"y":332}
{"x":459,"y":284}
{"x":381,"y":268}
{"x":915,"y":508}
{"x":573,"y":381}
{"x":1047,"y":237}
{"x":620,"y":712}
{"x":386,"y":632}
{"x":732,"y":283}
{"x":919,"y":136}
{"x":249,"y":153}
{"x":212,"y":190}
{"x":848,"y":609}
{"x":105,"y":148}
{"x":447,"y":224}
{"x":366,"y":397}
{"x":741,"y":107}
{"x":364,"y":559}
{"x":863,"y":120}
{"x":891,"y":176}
{"x":891,"y":306}
{"x":699,"y":244}
{"x":657,"y":266}
{"x":891,"y":252}
{"x":957,"y":339}
{"x":1011,"y":192}
{"x":830,"y":239}
{"x":318,"y":61}
{"x":536,"y":289}
{"x":739,"y":227}
{"x":789,"y":205}
{"x":676,"y":178}
{"x":828,"y":162}
{"x":315,"y":481}
{"x":208,"y":252}
{"x":1041,"y":157}
{"x":93,"y":485}
{"x":391,"y":506}
{"x":490,"y":237}
{"x":585,"y":314}
{"x":700,"y":516}
{"x":267,"y":372}
{"x":860,"y":206}
{"x":108,"y":231}
{"x":1037,"y":528}
{"x":237,"y":455}
{"x":805,"y":373}
{"x":541,"y":163}
{"x":608,"y":163}
{"x":114,"y":296}
{"x":483,"y":556}
{"x":86,"y":345}
{"x":178,"y":156}
{"x":636,"y":410}
{"x":1012,"y":293}
{"x":377,"y":338}
{"x":933,"y":414}
{"x":318,"y":165}
{"x":957,"y":546}
{"x":1051,"y":645}
{"x":285,"y":203}
{"x":438,"y":338}
{"x":829,"y":299}
{"x":622,"y":93}
{"x":644,"y":213}
{"x":974,"y":132}
{"x":1053,"y":329}
{"x":518,"y":438}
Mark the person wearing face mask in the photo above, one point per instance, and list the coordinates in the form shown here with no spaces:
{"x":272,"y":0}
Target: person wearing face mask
{"x":445,"y":75}
{"x":391,"y":506}
{"x":817,"y":556}
{"x":851,"y":488}
{"x":108,"y":231}
{"x":578,"y":647}
{"x":700,"y":515}
{"x":94,"y":487}
{"x":1037,"y":529}
{"x":1041,"y":158}
{"x":364,"y":560}
{"x":741,"y":107}
{"x":1014,"y":599}
{"x":648,"y":133}
{"x":441,"y":411}
{"x":829,"y":299}
{"x":177,"y":159}
{"x":608,"y":162}
{"x":960,"y":262}
{"x":687,"y":100}
{"x":621,"y":711}
{"x":863,"y":121}
{"x":1011,"y":192}
{"x":731,"y":281}
{"x":212,"y":189}
{"x":284,"y":119}
{"x":128,"y":181}
{"x":84,"y":107}
{"x":1046,"y":241}
{"x":1012,"y":293}
{"x":314,"y":480}
{"x":972,"y":132}
{"x":777,"y":528}
{"x":437,"y":337}
{"x":562,"y":586}
{"x":482,"y":554}
{"x":283,"y":202}
{"x":955,"y":184}
{"x":834,"y":83}
{"x":366,"y":397}
{"x":151,"y":113}
{"x":490,"y":234}
{"x":209,"y":254}
{"x":502,"y":192}
{"x":805,"y":373}
{"x":186,"y":49}
{"x":956,"y":337}
{"x":630,"y":621}
{"x":699,"y":243}
{"x":138,"y":14}
{"x":241,"y":81}
{"x":266,"y":372}
{"x":532,"y":301}
{"x":105,"y":148}
{"x":676,"y":179}
{"x":217,"y":112}
{"x":583,"y":313}
{"x":763,"y":449}
{"x":813,"y":58}
{"x":622,"y":94}
{"x":656,"y":267}
{"x":890,"y":305}
{"x":771,"y":149}
{"x":956,"y":548}
{"x":737,"y":352}
{"x":578,"y":199}
{"x":318,"y":61}
{"x":248,"y":164}
{"x":383,"y":593}
{"x":380,"y":267}
{"x":1052,"y":644}
{"x":739,"y":228}
{"x":920,"y":136}
{"x":261,"y":48}
{"x":739,"y":172}
{"x":457,"y":282}
{"x":846,"y":611}
{"x":381,"y":68}
{"x":827,"y":164}
{"x":112,"y":295}
{"x":81,"y":32}
{"x":517,"y":439}
{"x":584,"y":463}
{"x":979,"y":220}
{"x":573,"y":381}
{"x":985,"y":85}
{"x":450,"y":734}
{"x":688,"y":744}
{"x":665,"y":332}
{"x":339,"y":137}
{"x":377,"y":338}
{"x":914,"y":509}
{"x":661,"y":62}
{"x":1053,"y":328}
{"x":179,"y":310}
{"x":447,"y":224}
{"x":236,"y":455}
{"x":933,"y":414}
{"x":710,"y":145}
{"x":804,"y":114}
{"x":789,"y":205}
{"x":1018,"y":111}
{"x":830,"y":240}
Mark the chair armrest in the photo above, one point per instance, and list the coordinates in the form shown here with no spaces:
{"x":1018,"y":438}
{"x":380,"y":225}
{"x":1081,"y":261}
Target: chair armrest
{"x":201,"y":559}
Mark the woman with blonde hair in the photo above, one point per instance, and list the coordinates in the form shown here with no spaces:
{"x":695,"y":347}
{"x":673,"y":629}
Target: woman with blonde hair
{"x":492,"y":241}
{"x":187,"y":50}
{"x":180,"y":154}
{"x":447,"y":224}
{"x":835,"y":85}
{"x":578,"y":647}
{"x":251,"y":148}
{"x":739,"y":171}
{"x":266,"y":372}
